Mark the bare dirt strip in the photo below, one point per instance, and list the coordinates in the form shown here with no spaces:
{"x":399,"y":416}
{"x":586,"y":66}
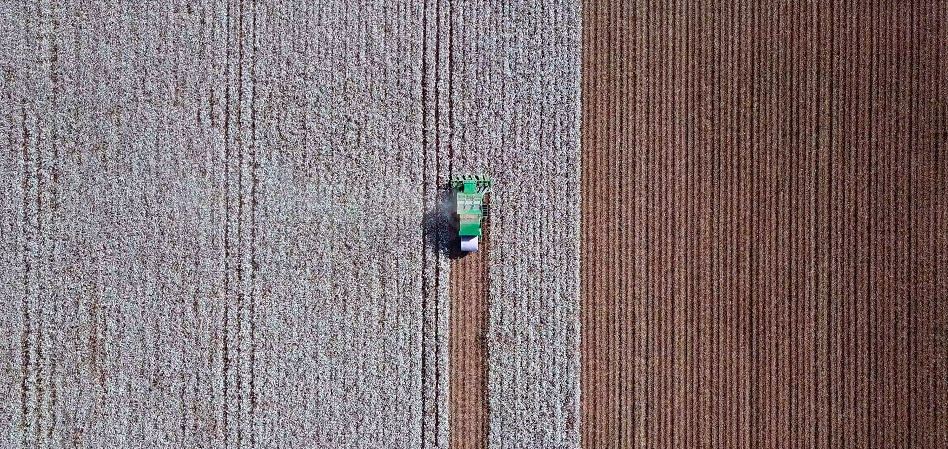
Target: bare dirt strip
{"x":765,"y":233}
{"x":469,"y":301}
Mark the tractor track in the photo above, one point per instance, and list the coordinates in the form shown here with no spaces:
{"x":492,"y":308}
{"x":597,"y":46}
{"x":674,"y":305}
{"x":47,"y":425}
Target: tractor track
{"x":469,"y":292}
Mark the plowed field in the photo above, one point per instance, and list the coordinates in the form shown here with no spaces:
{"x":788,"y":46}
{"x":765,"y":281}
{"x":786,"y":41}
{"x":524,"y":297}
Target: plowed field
{"x":469,"y":303}
{"x":765,"y":224}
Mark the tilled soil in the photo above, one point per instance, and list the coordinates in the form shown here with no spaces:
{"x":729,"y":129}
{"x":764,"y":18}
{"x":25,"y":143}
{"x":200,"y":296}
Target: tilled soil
{"x":765,"y":224}
{"x":469,"y":305}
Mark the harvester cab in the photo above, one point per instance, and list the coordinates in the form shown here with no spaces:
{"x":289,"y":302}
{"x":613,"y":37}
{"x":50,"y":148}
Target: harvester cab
{"x":470,"y":208}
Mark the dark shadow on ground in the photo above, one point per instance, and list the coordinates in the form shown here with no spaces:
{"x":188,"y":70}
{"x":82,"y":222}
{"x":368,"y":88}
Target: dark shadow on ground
{"x":441,"y":226}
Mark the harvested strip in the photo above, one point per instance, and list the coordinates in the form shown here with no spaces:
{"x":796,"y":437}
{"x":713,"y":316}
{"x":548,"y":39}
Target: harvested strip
{"x":469,"y":300}
{"x":764,"y":226}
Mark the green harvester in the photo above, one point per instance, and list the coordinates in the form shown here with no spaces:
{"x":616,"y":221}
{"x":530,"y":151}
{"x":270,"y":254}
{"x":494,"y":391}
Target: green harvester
{"x":469,"y":206}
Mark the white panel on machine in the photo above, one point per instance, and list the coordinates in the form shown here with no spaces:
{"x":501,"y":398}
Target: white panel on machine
{"x":469,"y":243}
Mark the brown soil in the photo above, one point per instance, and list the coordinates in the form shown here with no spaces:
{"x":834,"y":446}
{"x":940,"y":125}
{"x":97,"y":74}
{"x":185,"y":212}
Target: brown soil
{"x":469,"y":298}
{"x":765,"y":222}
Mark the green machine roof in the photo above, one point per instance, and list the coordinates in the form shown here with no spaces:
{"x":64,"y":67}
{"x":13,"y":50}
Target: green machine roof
{"x":469,"y":202}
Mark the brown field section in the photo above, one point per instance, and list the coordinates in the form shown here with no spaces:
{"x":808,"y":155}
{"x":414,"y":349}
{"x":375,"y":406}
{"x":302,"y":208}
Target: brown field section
{"x":469,"y":301}
{"x":765,"y":224}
